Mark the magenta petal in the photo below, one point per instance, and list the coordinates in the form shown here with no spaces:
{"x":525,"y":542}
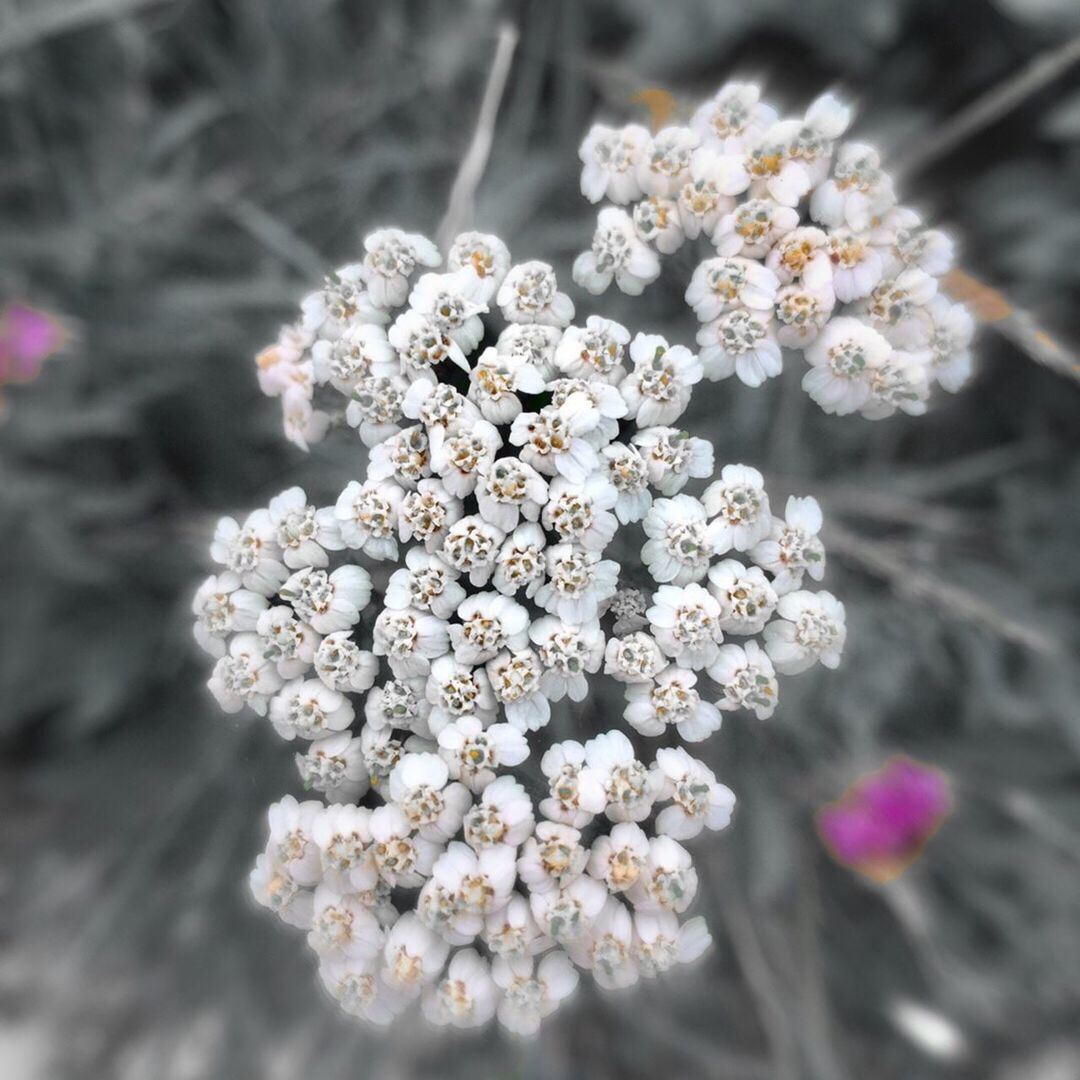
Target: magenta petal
{"x":29,"y":336}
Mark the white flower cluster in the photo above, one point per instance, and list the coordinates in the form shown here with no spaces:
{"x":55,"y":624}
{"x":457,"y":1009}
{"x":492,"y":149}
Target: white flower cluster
{"x":812,"y":251}
{"x":494,"y":484}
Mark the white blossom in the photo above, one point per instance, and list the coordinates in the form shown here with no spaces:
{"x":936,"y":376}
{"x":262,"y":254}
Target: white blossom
{"x":744,"y":673}
{"x":221,"y":607}
{"x":671,"y":700}
{"x":576,"y":792}
{"x":530,"y":294}
{"x":529,"y":995}
{"x":392,"y":256}
{"x":244,"y":676}
{"x":466,"y":996}
{"x":309,"y":709}
{"x":698,"y":801}
{"x":809,"y":627}
{"x":611,"y":159}
{"x":617,"y":254}
{"x":658,"y":388}
{"x":485,"y":255}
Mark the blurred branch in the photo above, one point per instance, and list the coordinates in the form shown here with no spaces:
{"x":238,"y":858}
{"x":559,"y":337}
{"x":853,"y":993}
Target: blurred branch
{"x":881,"y":558}
{"x":990,"y":107}
{"x":1013,"y":324}
{"x":56,"y":18}
{"x":462,"y":201}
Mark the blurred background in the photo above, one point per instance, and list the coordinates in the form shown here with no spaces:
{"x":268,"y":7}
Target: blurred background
{"x":173,"y":175}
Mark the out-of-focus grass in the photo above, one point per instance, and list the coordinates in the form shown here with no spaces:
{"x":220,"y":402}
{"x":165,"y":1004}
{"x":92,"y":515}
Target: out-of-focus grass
{"x":173,"y":174}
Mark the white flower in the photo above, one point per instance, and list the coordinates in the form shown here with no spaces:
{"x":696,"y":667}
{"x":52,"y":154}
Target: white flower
{"x":413,"y":957}
{"x":611,"y":159}
{"x":578,"y":581}
{"x":515,"y":679}
{"x":841,"y":357}
{"x":301,"y":423}
{"x":496,"y":381}
{"x":503,"y":816}
{"x":439,"y":405}
{"x":568,"y":653}
{"x":657,"y":221}
{"x":802,"y":255}
{"x":381,"y":753}
{"x":660,"y":942}
{"x":745,"y":597}
{"x":709,"y":191}
{"x":410,"y":640}
{"x":427,"y":513}
{"x":531,"y":343}
{"x":552,"y":857}
{"x":671,"y":701}
{"x":857,"y":267}
{"x":471,"y":545}
{"x":392,"y":256}
{"x":635,"y":658}
{"x":335,"y":767}
{"x":481,"y":881}
{"x":593,"y":352}
{"x":628,"y":474}
{"x":857,"y":191}
{"x":343,"y":926}
{"x":453,"y":304}
{"x":629,"y":786}
{"x":658,"y":389}
{"x":792,"y":546}
{"x":244,"y":676}
{"x":302,"y":532}
{"x":616,"y":254}
{"x":342,"y":834}
{"x":466,"y":996}
{"x":567,"y":914}
{"x":422,"y":344}
{"x":474,"y":754}
{"x":894,"y":306}
{"x":553,"y":441}
{"x":745,"y":676}
{"x":426,"y":583}
{"x":402,"y":858}
{"x":581,"y":513}
{"x":602,"y":396}
{"x":740,"y":342}
{"x":459,"y":459}
{"x":628,"y":606}
{"x":673,"y":457}
{"x":490,"y":623}
{"x":741,"y":508}
{"x":342,"y":301}
{"x":328,"y":602}
{"x":668,"y":881}
{"x":520,"y":562}
{"x":774,"y":172}
{"x":340,"y":662}
{"x":357,"y":987}
{"x":530,"y":294}
{"x":418,"y":785}
{"x":512,"y":933}
{"x":734,"y":118}
{"x":507,"y":490}
{"x":454,"y":690}
{"x":681,"y":541}
{"x":699,"y":802}
{"x":811,"y":142}
{"x":309,"y":709}
{"x":376,"y":407}
{"x":222,"y":608}
{"x":403,"y":458}
{"x":367,"y":515}
{"x":576,"y":792}
{"x":291,"y":843}
{"x":616,"y":858}
{"x":686,"y":624}
{"x":250,"y":551}
{"x":666,"y":166}
{"x":607,"y":950}
{"x":809,"y":627}
{"x":752,"y":228}
{"x":485,"y":255}
{"x":801,"y":313}
{"x":948,"y":338}
{"x":720,"y":285}
{"x":273,"y":888}
{"x":915,"y":245}
{"x":527,"y":996}
{"x":902,"y":382}
{"x":398,"y":703}
{"x":361,"y":352}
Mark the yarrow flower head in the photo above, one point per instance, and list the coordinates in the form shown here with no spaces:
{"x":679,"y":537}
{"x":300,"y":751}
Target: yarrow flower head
{"x":525,"y":520}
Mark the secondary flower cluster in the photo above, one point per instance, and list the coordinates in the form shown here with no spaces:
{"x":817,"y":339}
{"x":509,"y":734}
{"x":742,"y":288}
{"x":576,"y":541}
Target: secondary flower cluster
{"x":494,"y":484}
{"x":812,"y":251}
